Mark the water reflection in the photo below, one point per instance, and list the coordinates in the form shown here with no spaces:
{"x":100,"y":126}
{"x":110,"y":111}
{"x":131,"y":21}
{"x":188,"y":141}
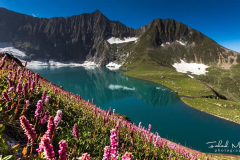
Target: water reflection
{"x":104,"y":85}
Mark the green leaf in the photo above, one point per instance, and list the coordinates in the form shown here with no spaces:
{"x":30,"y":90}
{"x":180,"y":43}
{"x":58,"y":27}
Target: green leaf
{"x":8,"y":157}
{"x":2,"y":127}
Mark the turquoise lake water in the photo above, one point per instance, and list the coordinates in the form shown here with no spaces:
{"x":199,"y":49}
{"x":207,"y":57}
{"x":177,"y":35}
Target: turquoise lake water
{"x":148,"y":103}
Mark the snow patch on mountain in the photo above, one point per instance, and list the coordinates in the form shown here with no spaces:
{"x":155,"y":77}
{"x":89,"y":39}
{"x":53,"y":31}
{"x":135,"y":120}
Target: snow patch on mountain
{"x":6,"y":47}
{"x":114,"y":40}
{"x":194,"y":68}
{"x":55,"y":64}
{"x":182,"y":43}
{"x":190,"y":76}
{"x":113,"y":66}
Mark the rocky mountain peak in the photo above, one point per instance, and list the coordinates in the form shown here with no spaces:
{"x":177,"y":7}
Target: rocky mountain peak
{"x":97,"y":12}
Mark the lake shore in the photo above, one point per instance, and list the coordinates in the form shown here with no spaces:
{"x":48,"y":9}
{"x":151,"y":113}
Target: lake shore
{"x":190,"y":91}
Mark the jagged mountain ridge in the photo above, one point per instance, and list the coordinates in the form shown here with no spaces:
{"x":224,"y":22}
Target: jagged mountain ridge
{"x":167,"y":41}
{"x":84,"y":37}
{"x":78,"y":37}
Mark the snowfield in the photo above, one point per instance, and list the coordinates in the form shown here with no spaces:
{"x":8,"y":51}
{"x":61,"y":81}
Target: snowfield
{"x":113,"y":66}
{"x":114,"y":40}
{"x":9,"y":48}
{"x":52,"y":63}
{"x":194,"y":68}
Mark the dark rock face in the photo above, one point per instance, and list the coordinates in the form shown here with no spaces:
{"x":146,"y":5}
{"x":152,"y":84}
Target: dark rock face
{"x":81,"y":37}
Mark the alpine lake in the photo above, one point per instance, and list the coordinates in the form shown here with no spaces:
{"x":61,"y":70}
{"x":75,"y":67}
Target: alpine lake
{"x":149,"y":103}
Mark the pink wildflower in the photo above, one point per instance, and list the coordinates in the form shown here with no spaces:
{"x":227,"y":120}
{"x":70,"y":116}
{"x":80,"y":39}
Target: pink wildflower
{"x":20,"y":79}
{"x":11,"y":89}
{"x":19,"y":88}
{"x":44,"y":95}
{"x":38,"y":111}
{"x":139,"y":125}
{"x":38,"y":89}
{"x":5,"y":95}
{"x":6,"y":66}
{"x":107,"y":155}
{"x":51,"y":127}
{"x":63,"y":150}
{"x":27,"y":103}
{"x":170,"y":156}
{"x":149,"y":128}
{"x":33,"y":85}
{"x":27,"y":127}
{"x":14,"y":64}
{"x":75,"y":131}
{"x":15,"y":76}
{"x":58,"y":117}
{"x":10,"y":75}
{"x":114,"y":144}
{"x":25,"y":89}
{"x":85,"y":156}
{"x":45,"y":118}
{"x":47,"y":99}
{"x":10,"y":84}
{"x":36,"y":77}
{"x":127,"y":156}
{"x":19,"y":71}
{"x":122,"y":146}
{"x":45,"y":146}
{"x":118,"y":125}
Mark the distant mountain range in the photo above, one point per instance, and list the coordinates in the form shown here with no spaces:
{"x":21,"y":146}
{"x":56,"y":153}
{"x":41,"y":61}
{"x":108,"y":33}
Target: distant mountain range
{"x":93,"y":37}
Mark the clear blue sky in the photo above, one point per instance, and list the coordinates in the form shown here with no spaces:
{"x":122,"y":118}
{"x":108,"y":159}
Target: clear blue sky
{"x":218,"y":19}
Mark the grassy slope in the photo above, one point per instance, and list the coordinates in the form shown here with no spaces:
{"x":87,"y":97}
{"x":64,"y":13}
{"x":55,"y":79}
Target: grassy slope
{"x":186,"y":86}
{"x":226,"y":82}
